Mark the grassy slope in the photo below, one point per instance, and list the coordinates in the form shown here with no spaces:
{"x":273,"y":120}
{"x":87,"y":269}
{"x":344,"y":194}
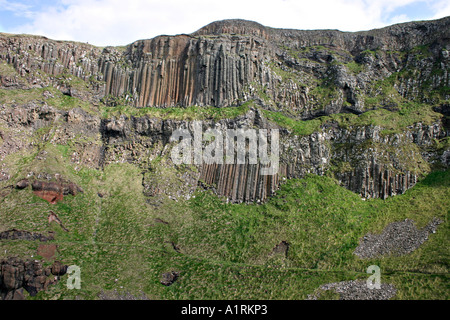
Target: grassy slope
{"x":225,"y":248}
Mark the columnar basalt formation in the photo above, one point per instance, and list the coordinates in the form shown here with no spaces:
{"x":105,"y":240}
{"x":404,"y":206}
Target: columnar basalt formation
{"x":299,"y":75}
{"x":31,"y":53}
{"x":361,"y":158}
{"x":183,"y":70}
{"x":368,"y":163}
{"x":239,"y":182}
{"x":229,"y":62}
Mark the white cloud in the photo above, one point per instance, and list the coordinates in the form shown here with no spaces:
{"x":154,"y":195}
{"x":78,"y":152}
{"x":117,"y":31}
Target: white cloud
{"x":12,"y":6}
{"x":17,"y":8}
{"x":399,"y":18}
{"x":114,"y":22}
{"x":442,"y":9}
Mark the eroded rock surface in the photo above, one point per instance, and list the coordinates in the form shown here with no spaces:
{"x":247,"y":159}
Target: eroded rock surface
{"x":16,"y":275}
{"x":54,"y":191}
{"x":15,"y":234}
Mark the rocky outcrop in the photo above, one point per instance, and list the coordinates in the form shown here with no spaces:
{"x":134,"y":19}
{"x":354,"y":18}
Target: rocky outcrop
{"x":229,"y":62}
{"x":235,"y":27}
{"x":184,"y":70}
{"x":54,"y":191}
{"x":22,"y":184}
{"x":396,"y":37}
{"x":31,"y":54}
{"x":15,"y":234}
{"x":377,"y":165}
{"x":16,"y":275}
{"x":239,"y":182}
{"x":168,"y":278}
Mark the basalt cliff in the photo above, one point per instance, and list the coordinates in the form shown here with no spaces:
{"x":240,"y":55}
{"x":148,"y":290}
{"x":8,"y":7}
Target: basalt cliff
{"x":328,"y":80}
{"x":369,"y":110}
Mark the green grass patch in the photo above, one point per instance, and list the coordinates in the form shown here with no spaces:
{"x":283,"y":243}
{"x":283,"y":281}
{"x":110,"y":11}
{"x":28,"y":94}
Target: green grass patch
{"x":36,"y":95}
{"x":355,"y":67}
{"x":391,"y":122}
{"x":178,"y":113}
{"x":298,"y":127}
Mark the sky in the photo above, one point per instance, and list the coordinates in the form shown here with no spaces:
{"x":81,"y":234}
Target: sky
{"x":120,"y":22}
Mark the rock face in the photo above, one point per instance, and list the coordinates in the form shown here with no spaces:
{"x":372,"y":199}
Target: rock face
{"x":300,"y":75}
{"x":184,"y":70}
{"x":362,"y":158}
{"x":239,"y":182}
{"x":16,"y":275}
{"x":229,"y":62}
{"x":54,"y":191}
{"x":15,"y":234}
{"x":366,"y":161}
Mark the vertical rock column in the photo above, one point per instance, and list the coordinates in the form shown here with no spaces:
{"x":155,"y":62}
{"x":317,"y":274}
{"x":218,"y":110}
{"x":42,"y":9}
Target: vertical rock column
{"x":239,"y":182}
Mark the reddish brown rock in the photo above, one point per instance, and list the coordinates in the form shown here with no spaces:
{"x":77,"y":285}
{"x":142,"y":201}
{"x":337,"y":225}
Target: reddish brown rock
{"x":50,"y":196}
{"x":54,"y":191}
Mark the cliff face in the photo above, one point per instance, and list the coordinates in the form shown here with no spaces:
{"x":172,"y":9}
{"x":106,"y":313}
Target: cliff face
{"x":374,"y":103}
{"x":183,"y":70}
{"x":229,"y":62}
{"x":362,"y":158}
